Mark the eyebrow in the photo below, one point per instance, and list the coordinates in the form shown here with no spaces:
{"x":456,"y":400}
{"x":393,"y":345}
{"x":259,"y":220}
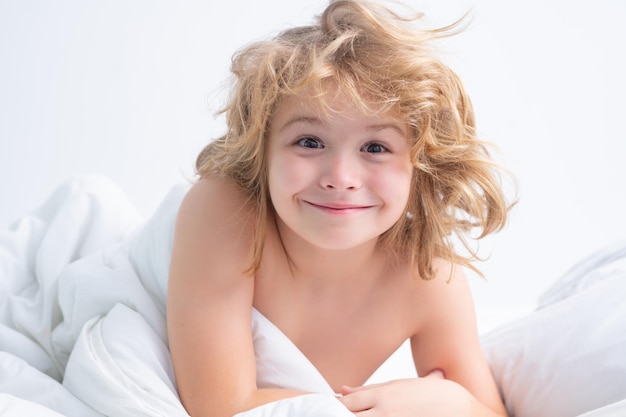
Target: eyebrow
{"x":383,"y":126}
{"x":301,"y":119}
{"x":317,"y":121}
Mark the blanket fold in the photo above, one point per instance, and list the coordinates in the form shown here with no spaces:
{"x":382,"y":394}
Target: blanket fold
{"x":123,"y":359}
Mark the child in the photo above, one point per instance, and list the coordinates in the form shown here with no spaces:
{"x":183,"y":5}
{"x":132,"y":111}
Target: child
{"x":329,"y":206}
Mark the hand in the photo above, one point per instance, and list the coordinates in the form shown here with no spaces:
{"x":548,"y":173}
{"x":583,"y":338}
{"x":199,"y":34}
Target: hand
{"x":431,"y":396}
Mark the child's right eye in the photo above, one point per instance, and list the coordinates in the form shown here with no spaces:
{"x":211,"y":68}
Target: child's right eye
{"x":310,"y":142}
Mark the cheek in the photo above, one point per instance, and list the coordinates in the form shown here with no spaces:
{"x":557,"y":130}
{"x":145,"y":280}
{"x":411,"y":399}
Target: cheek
{"x":286,"y":175}
{"x":395,"y":182}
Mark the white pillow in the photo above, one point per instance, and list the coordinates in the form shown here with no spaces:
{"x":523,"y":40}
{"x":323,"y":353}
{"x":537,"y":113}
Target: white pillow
{"x":569,"y":356}
{"x":605,"y":263}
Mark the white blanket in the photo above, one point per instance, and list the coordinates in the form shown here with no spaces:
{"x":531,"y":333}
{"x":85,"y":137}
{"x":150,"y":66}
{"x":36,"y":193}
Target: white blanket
{"x":83,"y":284}
{"x":82,"y":319}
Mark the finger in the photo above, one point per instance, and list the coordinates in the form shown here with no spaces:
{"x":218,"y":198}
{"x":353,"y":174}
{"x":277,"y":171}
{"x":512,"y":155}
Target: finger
{"x":371,"y":412}
{"x":435,"y":373}
{"x":346,"y":389}
{"x":358,"y":401}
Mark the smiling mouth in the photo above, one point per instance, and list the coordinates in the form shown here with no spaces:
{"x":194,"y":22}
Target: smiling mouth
{"x":339,"y":208}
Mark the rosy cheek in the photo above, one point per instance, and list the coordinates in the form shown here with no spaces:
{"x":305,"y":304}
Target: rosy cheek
{"x":395,"y":179}
{"x":290,"y":172}
{"x":287,"y":169}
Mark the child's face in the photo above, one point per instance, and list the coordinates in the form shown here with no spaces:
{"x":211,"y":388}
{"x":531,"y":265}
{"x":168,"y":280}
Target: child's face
{"x":337,"y":179}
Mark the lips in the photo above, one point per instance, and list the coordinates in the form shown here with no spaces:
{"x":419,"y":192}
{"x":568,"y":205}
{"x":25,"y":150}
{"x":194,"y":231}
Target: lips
{"x":339,"y":207}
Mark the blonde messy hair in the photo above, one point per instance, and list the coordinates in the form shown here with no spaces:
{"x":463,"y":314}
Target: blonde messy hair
{"x":374,"y":56}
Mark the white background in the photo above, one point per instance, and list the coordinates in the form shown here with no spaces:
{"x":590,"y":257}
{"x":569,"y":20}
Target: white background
{"x":127,"y":88}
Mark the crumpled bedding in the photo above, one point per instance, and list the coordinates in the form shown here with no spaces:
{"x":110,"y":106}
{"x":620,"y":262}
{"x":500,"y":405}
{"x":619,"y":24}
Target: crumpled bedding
{"x":83,"y":282}
{"x":568,"y":356}
{"x":82,"y":320}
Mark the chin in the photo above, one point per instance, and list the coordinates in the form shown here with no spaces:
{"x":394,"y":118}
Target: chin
{"x":341,"y":243}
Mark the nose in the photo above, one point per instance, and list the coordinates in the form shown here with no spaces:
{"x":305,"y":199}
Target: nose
{"x":341,"y":172}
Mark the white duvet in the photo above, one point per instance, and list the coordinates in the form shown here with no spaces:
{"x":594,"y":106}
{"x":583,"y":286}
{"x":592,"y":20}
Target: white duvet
{"x":82,"y":326}
{"x":82,"y":316}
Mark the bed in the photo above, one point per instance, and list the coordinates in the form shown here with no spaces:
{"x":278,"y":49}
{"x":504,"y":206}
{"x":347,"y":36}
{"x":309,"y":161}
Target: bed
{"x":82,"y":322}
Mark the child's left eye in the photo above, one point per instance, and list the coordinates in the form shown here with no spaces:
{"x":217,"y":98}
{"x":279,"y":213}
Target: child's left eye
{"x":310,"y":142}
{"x":374,"y":148}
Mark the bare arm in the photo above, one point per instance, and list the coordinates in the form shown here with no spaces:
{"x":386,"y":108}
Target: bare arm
{"x":449,"y":341}
{"x":210,"y":302}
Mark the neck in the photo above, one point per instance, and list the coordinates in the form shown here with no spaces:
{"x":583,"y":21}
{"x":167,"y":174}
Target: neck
{"x":327,"y":266}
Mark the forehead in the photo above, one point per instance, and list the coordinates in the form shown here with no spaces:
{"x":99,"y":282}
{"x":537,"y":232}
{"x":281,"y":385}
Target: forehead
{"x":328,"y":106}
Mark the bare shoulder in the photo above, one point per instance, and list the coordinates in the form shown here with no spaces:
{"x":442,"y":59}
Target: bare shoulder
{"x":215,"y":199}
{"x":213,"y":234}
{"x":449,"y":285}
{"x":446,"y":320}
{"x":446,"y":298}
